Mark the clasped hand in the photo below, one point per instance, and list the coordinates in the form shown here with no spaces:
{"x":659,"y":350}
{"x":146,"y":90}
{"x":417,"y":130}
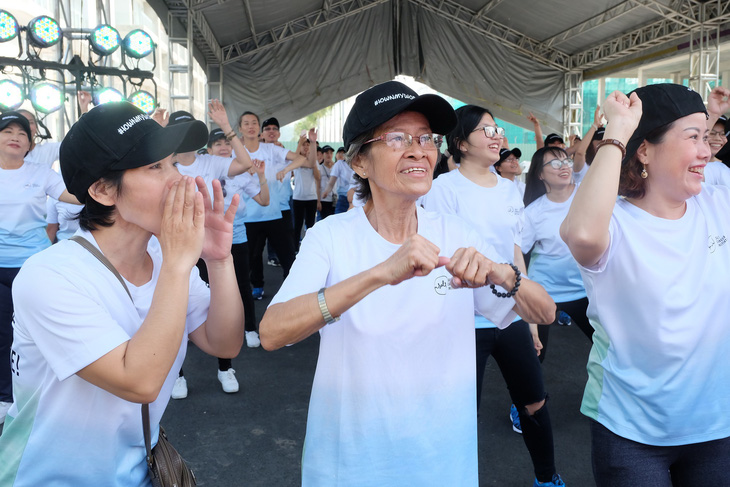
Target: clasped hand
{"x":418,"y":257}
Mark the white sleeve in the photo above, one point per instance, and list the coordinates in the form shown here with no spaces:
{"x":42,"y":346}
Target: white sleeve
{"x":70,"y":328}
{"x":198,"y":301}
{"x":51,"y":210}
{"x":528,"y":233}
{"x":53,"y":185}
{"x":310,"y":270}
{"x":497,"y":310}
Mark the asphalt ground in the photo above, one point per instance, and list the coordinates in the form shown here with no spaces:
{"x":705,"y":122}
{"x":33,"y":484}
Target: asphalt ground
{"x":255,"y":437}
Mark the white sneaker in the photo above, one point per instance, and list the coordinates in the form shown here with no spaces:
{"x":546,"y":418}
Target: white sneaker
{"x":228,"y":380}
{"x":4,"y":406}
{"x":180,"y":389}
{"x":252,"y":339}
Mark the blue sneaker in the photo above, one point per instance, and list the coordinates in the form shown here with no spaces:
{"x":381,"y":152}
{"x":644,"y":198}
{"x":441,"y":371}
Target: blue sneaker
{"x":515,"y":418}
{"x":258,"y":293}
{"x":556,"y":482}
{"x":564,"y":318}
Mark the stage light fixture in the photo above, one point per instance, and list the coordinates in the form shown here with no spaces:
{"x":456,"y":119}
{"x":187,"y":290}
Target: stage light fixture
{"x":46,"y":97}
{"x":138,"y":44}
{"x":106,"y":95}
{"x":44,"y":32}
{"x":104,"y":40}
{"x":8,"y":27}
{"x":11,"y":95}
{"x":144,"y":101}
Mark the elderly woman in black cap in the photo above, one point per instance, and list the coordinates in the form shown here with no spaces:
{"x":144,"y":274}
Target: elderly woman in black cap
{"x":25,"y":188}
{"x":391,"y":288}
{"x":102,"y":323}
{"x":659,"y":371}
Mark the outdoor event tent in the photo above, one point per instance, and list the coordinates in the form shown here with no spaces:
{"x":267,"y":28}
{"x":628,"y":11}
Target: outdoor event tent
{"x":290,"y":58}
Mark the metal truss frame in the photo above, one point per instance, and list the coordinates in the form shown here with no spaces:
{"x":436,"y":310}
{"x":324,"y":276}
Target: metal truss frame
{"x":573,"y":104}
{"x":297,"y":27}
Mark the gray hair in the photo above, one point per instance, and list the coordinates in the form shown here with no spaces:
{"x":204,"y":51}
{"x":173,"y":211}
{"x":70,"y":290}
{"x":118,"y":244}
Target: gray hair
{"x":357,"y":147}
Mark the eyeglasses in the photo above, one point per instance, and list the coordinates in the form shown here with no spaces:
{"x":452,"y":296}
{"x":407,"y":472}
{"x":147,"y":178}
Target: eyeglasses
{"x":557,"y":163}
{"x":402,"y":141}
{"x":491,"y":131}
{"x":713,"y":133}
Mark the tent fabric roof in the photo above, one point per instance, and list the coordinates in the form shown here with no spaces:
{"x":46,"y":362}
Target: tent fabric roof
{"x":289,"y":59}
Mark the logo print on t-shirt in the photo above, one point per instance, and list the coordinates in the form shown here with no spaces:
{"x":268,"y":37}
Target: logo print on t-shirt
{"x":714,"y":242}
{"x":441,"y":285}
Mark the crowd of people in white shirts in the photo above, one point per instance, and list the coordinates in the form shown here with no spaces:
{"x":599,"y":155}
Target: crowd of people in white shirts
{"x":282,"y":194}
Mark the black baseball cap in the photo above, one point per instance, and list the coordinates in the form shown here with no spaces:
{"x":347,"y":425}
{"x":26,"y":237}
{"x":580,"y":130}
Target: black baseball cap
{"x":377,"y":105}
{"x":270,"y":121}
{"x":341,"y":149}
{"x":118,"y":136}
{"x":215,"y":135}
{"x":505,"y":153}
{"x":180,"y":116}
{"x":16,"y":117}
{"x":552,"y":138}
{"x":662,"y":104}
{"x":327,"y":147}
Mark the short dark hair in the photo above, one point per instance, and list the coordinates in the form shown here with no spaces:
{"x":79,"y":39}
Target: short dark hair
{"x":240,"y":119}
{"x":534,"y":186}
{"x":631,"y":184}
{"x":358,"y":147}
{"x":467,"y":119}
{"x":94,"y":215}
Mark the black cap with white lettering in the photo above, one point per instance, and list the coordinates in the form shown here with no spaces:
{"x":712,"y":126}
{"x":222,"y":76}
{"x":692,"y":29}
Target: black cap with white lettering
{"x":15,"y":117}
{"x":118,"y":136}
{"x":377,"y":105}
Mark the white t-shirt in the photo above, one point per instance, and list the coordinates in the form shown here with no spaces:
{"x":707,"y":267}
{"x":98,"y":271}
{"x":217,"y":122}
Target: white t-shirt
{"x":209,"y":167}
{"x":520,"y":187}
{"x":65,"y":215}
{"x":46,"y":153}
{"x":659,"y":369}
{"x":247,"y":185}
{"x":578,"y":176}
{"x":356,"y":200}
{"x":717,"y":173}
{"x":551,"y":263}
{"x":324,"y":179}
{"x":59,"y":418}
{"x":23,"y":210}
{"x":497,"y":213}
{"x":394,"y":391}
{"x":305,"y":187}
{"x":343,"y":172}
{"x":275,"y":159}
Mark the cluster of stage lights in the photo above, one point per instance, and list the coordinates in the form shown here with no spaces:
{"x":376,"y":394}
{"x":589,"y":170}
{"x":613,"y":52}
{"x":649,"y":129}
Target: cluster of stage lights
{"x":45,"y":32}
{"x":47,"y":97}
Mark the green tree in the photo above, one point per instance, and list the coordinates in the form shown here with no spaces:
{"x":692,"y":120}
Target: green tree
{"x":309,"y":121}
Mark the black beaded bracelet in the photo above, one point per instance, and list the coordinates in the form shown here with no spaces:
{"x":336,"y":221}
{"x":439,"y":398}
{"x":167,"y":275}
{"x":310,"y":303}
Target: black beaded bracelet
{"x":518,"y":278}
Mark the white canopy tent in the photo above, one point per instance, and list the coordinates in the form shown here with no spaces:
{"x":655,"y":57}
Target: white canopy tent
{"x":289,"y":59}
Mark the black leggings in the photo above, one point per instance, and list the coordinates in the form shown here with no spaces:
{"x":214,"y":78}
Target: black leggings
{"x":279,"y":234}
{"x":7,"y":276}
{"x":514,"y":351}
{"x":577,"y":310}
{"x":328,"y":208}
{"x":305,"y":212}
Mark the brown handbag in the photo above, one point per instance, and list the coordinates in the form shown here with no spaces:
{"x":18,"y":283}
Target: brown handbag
{"x":167,"y":468}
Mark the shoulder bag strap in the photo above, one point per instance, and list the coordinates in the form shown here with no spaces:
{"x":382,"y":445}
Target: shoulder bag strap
{"x":96,"y":253}
{"x":145,"y":407}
